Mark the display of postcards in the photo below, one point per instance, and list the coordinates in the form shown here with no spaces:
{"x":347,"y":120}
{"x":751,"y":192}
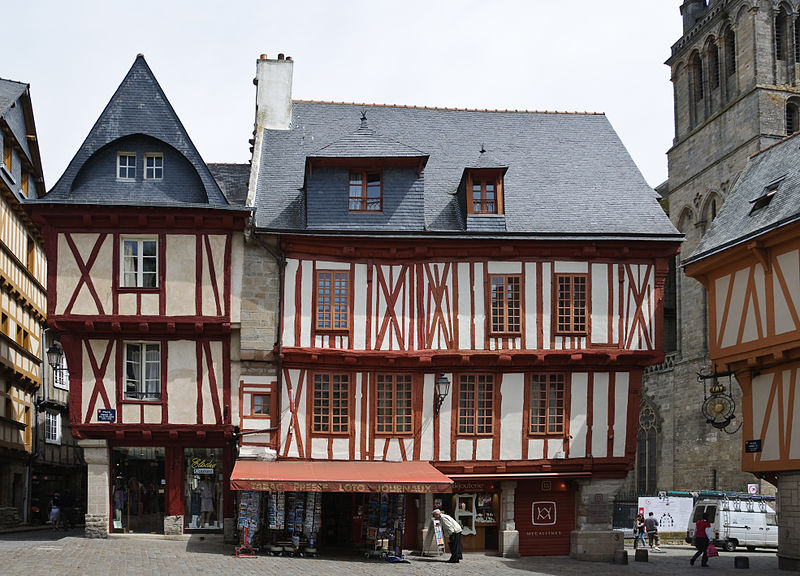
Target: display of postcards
{"x":299,"y":509}
{"x":280,"y":510}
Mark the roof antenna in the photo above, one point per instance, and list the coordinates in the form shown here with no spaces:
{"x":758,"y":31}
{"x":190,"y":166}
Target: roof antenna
{"x":483,"y":148}
{"x":363,"y":118}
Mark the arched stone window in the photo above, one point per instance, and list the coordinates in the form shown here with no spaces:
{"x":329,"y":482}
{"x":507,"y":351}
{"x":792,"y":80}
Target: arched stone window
{"x":647,"y":450}
{"x":730,"y":51}
{"x":713,"y":66}
{"x":781,"y":38}
{"x":797,"y":39}
{"x":696,"y":66}
{"x":792,"y":115}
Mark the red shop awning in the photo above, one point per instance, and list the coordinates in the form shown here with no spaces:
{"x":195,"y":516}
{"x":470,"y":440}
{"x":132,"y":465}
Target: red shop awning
{"x":336,"y":476}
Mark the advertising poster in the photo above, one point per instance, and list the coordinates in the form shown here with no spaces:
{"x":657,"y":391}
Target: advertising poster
{"x":672,"y":512}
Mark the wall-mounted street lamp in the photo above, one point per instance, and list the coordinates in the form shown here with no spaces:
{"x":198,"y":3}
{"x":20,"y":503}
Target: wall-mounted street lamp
{"x":442,"y":389}
{"x":54,"y":355}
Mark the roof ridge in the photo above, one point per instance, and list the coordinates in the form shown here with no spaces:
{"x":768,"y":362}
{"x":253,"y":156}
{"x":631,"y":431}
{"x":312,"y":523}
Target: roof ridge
{"x":14,"y":81}
{"x":411,"y":106}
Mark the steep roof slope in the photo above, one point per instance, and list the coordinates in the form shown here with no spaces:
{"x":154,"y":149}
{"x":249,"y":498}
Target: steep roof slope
{"x":568,"y":175}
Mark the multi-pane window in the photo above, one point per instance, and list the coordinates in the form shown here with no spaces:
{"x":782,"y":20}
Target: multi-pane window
{"x":505,"y":304}
{"x":646,"y":450}
{"x":476,"y":404}
{"x":52,"y":427}
{"x":365,"y":191}
{"x":61,"y":374}
{"x":126,"y":166}
{"x":261,"y":405}
{"x":547,"y":404}
{"x":153,"y":166}
{"x":484,"y":192}
{"x":571,"y":302}
{"x":142,"y":371}
{"x":139,"y":263}
{"x":331,"y":399}
{"x":333,"y":300}
{"x":393,"y":404}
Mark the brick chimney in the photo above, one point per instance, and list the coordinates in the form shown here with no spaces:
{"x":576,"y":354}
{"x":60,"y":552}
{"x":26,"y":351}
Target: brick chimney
{"x":274,"y":93}
{"x":692,"y":11}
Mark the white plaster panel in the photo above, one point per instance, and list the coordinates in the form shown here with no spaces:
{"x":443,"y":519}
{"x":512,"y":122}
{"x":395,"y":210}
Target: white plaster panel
{"x":562,"y":267}
{"x":529,"y":306}
{"x":536,"y":449}
{"x":127,"y":304}
{"x":393,"y":451}
{"x":109,"y":380}
{"x":131,"y":414}
{"x":182,"y":382}
{"x":237,"y":273}
{"x":216,"y":365}
{"x":737,"y":302}
{"x":209,"y":301}
{"x":150,"y":304}
{"x":511,"y":424}
{"x":325,"y":265}
{"x":288,"y":303}
{"x":286,"y":421}
{"x":464,"y":449}
{"x":504,"y":267}
{"x":555,"y":447}
{"x":68,"y":276}
{"x":319,"y":448}
{"x":464,"y":307}
{"x":752,"y":333}
{"x":152,"y":413}
{"x":303,"y":417}
{"x":358,"y":395}
{"x":409,"y":444}
{"x":621,"y":388}
{"x":599,"y":447}
{"x":181,"y":274}
{"x":600,"y":303}
{"x":426,"y":438}
{"x":306,"y":302}
{"x":359,"y":306}
{"x":480,"y":313}
{"x":341,"y":448}
{"x":256,"y":439}
{"x":615,"y":305}
{"x":547,"y":285}
{"x":445,"y":415}
{"x":794,"y":447}
{"x":789,"y":264}
{"x":577,"y":411}
{"x":721,"y":294}
{"x":483,"y":450}
{"x":770,"y":439}
{"x":761,"y":386}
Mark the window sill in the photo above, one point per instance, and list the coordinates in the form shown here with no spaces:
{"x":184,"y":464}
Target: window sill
{"x":52,"y":442}
{"x":153,"y":401}
{"x":139,"y":289}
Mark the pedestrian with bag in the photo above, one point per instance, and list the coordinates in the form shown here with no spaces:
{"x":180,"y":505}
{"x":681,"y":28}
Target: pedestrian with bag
{"x":702,"y":541}
{"x":651,"y":526}
{"x":638,"y":531}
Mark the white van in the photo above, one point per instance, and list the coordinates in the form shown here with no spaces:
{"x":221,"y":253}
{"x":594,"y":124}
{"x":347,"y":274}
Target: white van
{"x":737,"y":521}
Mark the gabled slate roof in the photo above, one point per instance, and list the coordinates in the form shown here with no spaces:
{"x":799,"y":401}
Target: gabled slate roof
{"x":138,"y":107}
{"x":736,"y":221}
{"x":9,"y":92}
{"x":365,"y":143}
{"x":568,"y":176}
{"x":232,"y":180}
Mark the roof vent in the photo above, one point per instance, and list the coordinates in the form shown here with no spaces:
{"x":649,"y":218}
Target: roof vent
{"x":766,"y":195}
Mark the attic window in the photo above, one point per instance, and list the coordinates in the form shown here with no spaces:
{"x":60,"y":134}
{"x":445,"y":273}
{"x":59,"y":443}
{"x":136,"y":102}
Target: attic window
{"x":366,"y":191}
{"x":766,"y":196}
{"x":485,"y":190}
{"x":126,"y":166}
{"x":153,"y":166}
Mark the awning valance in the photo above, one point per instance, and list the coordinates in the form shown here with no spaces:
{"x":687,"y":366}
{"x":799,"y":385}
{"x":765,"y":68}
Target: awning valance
{"x":339,"y":476}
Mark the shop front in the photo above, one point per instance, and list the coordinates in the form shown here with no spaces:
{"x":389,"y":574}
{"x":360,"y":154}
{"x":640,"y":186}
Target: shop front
{"x":544,"y":513}
{"x":475,"y":505}
{"x":308,"y":508}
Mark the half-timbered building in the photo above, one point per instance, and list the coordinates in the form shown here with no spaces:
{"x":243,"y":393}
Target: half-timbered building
{"x":22,"y":299}
{"x":749,"y":262}
{"x":144,"y":271}
{"x":479,"y":290}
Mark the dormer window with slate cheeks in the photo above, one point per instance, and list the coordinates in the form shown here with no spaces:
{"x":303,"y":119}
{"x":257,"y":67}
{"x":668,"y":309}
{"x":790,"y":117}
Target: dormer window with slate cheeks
{"x":153,"y":166}
{"x":126,"y":166}
{"x":485,"y":189}
{"x":366,"y":191}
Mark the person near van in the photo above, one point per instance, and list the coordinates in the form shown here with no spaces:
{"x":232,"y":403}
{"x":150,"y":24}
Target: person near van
{"x":651,"y":526}
{"x":702,"y":537}
{"x":638,"y":531}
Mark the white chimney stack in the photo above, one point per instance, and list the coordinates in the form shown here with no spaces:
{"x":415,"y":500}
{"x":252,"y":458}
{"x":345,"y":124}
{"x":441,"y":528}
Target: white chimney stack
{"x":274,"y":93}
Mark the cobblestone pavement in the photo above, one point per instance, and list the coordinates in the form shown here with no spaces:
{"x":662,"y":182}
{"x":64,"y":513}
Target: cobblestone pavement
{"x":48,"y":554}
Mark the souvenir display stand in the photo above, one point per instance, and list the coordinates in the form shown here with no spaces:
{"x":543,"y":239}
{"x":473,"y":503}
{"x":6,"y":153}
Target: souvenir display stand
{"x":249,"y":522}
{"x":292,"y":523}
{"x":384,"y":526}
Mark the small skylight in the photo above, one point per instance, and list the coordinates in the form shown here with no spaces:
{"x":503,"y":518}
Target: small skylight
{"x":766,"y":195}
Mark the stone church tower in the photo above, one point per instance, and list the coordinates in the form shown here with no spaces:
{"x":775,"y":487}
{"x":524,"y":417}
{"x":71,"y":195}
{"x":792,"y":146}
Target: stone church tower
{"x":736,"y":79}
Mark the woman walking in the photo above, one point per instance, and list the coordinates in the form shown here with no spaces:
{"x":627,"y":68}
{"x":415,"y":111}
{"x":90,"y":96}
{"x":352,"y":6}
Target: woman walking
{"x":638,"y":531}
{"x":702,"y":537}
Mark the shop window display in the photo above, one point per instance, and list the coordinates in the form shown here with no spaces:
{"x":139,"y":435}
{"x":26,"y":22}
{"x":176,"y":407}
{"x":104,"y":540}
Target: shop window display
{"x":137,"y":496}
{"x":204,"y":488}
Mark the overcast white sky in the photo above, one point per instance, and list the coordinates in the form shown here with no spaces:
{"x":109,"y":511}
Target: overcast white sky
{"x":577,"y":55}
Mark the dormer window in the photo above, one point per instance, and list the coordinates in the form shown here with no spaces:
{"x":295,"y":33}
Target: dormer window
{"x":766,"y":195}
{"x":366,"y":191}
{"x":153,"y":166}
{"x":126,"y":166}
{"x":485,"y":189}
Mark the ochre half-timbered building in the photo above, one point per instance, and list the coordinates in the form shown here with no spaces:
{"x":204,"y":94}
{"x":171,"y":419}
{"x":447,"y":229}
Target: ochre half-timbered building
{"x":749,"y":262}
{"x":144,"y":271}
{"x":22,"y":299}
{"x":477,"y":290}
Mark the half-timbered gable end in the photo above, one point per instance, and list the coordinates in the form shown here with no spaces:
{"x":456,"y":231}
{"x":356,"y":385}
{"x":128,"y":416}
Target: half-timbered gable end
{"x":518,"y":255}
{"x":145,"y":258}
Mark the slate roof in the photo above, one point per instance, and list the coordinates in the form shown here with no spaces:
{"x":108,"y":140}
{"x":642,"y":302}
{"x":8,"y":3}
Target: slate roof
{"x":569,"y":176}
{"x":9,"y":92}
{"x":232,"y":180}
{"x":736,"y":221}
{"x":365,"y":143}
{"x":139,"y":106}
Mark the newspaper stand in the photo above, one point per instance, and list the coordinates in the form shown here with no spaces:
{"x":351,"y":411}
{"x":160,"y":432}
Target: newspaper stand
{"x":437,"y":531}
{"x":245,"y":550}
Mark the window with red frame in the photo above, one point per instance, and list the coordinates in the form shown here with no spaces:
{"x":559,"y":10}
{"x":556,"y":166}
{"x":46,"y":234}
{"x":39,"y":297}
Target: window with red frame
{"x":485,"y":192}
{"x":571,"y":301}
{"x":505,"y":305}
{"x":476,"y":404}
{"x":366,"y":194}
{"x":547,"y":405}
{"x":261,"y":405}
{"x":393,"y":404}
{"x":331,"y":403}
{"x":333,"y":300}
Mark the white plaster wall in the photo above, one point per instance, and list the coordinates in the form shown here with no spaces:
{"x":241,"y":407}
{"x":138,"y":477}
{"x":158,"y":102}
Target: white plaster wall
{"x":181,"y":273}
{"x":288,"y":303}
{"x":599,"y":447}
{"x":109,"y":380}
{"x":306,"y":303}
{"x":130,"y":413}
{"x":536,"y":448}
{"x":480,"y":313}
{"x":555,"y":448}
{"x":464,"y":306}
{"x":599,"y":296}
{"x":483,"y":450}
{"x":577,"y":410}
{"x":511,"y":424}
{"x":794,"y":447}
{"x":463,"y":448}
{"x":127,"y":304}
{"x":789,"y":264}
{"x":721,"y":293}
{"x":209,"y":302}
{"x":69,"y":274}
{"x":737,"y":301}
{"x":529,"y":306}
{"x":237,"y":273}
{"x":319,"y":448}
{"x":360,"y":395}
{"x":504,"y":267}
{"x":445,"y":415}
{"x":150,"y":304}
{"x":621,"y":389}
{"x":341,"y":448}
{"x":547,"y":289}
{"x":182,"y":382}
{"x":562,"y":267}
{"x":752,"y":324}
{"x":426,"y":438}
{"x":216,"y":362}
{"x":360,"y":306}
{"x":152,"y":413}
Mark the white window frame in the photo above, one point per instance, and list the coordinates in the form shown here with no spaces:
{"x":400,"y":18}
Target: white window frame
{"x":138,"y":387}
{"x":127,"y":167}
{"x":139,"y":259}
{"x":52,"y":427}
{"x":158,"y":171}
{"x":61,"y":375}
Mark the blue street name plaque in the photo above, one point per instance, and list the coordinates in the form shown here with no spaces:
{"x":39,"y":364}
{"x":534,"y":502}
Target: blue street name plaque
{"x":106,"y":415}
{"x":751,"y":446}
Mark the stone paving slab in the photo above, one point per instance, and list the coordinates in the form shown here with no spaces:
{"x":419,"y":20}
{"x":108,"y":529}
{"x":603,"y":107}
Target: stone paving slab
{"x":71,"y":555}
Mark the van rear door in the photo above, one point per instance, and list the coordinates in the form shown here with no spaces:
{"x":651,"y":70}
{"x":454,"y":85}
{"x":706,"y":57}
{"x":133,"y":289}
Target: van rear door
{"x":771,"y":530}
